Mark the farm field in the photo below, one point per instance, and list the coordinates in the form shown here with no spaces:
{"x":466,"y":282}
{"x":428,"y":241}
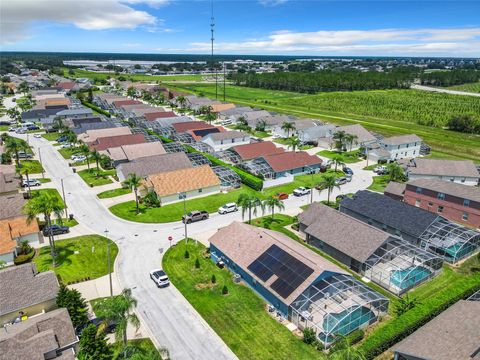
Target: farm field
{"x":472,"y":87}
{"x":389,"y":112}
{"x":132,"y":77}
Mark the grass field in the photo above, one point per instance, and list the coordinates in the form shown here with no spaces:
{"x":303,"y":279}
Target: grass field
{"x":52,"y":192}
{"x":389,"y":112}
{"x":132,"y":77}
{"x":68,"y":152}
{"x":32,"y":166}
{"x":51,"y":136}
{"x":91,"y":178}
{"x":239,"y":318}
{"x":112,"y":193}
{"x":472,"y":87}
{"x":345,"y":157}
{"x":79,"y":258}
{"x":379,"y":183}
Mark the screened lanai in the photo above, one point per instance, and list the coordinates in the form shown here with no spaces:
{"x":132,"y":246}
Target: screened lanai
{"x":337,"y":305}
{"x":258,"y":167}
{"x":453,"y":241}
{"x":399,"y":266}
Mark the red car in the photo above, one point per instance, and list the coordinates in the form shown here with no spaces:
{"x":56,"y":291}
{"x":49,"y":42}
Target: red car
{"x":281,"y":196}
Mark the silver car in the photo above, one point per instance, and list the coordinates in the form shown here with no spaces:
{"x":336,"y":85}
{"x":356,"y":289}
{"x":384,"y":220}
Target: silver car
{"x":159,"y":278}
{"x":227,"y":208}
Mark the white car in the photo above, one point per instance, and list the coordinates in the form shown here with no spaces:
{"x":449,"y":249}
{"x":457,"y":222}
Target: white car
{"x":66,"y":146}
{"x":78,"y":158}
{"x":380,"y":169}
{"x":31,"y":182}
{"x":301,"y":191}
{"x":159,"y":278}
{"x":227,"y":208}
{"x":37,"y":135}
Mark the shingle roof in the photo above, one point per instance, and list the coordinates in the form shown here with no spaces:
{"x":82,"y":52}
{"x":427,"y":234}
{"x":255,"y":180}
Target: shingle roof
{"x":135,"y":151}
{"x":16,"y":227}
{"x":92,"y":135}
{"x":252,"y":115}
{"x":23,"y":286}
{"x":291,"y":160}
{"x":236,"y":110}
{"x":159,"y":115}
{"x":396,"y":214}
{"x":234,"y":134}
{"x":8,"y":183}
{"x":222,"y":107}
{"x":342,"y":232}
{"x":66,"y":85}
{"x":11,"y":206}
{"x":155,"y":164}
{"x":448,"y":187}
{"x":255,"y":150}
{"x":182,"y":180}
{"x":439,"y":167}
{"x":363,"y":134}
{"x":454,"y":334}
{"x":395,"y":188}
{"x":119,"y":103}
{"x":191,"y":125}
{"x":164,"y":122}
{"x":83,"y":128}
{"x":72,"y":112}
{"x":243,"y":244}
{"x":104,"y":143}
{"x":401,"y":139}
{"x":33,"y":338}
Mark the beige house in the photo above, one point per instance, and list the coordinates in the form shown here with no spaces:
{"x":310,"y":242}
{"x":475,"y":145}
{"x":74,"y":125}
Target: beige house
{"x":92,"y":135}
{"x":126,"y":153}
{"x":195,"y":182}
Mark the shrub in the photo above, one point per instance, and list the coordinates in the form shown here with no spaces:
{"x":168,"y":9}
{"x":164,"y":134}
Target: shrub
{"x":355,"y":336}
{"x":96,"y":108}
{"x":213,"y":279}
{"x":224,"y":290}
{"x":197,"y":264}
{"x":309,"y":336}
{"x":24,"y":258}
{"x":186,"y":255}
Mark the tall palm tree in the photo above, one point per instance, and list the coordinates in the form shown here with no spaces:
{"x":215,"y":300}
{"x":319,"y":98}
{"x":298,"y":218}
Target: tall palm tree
{"x":85,"y":151}
{"x":97,"y":157}
{"x":339,"y":138}
{"x":131,"y":92}
{"x":395,"y":172}
{"x":328,"y":183}
{"x":59,"y":124}
{"x":44,"y":204}
{"x":288,"y":126}
{"x":351,"y":139}
{"x":133,"y":182}
{"x":119,"y":310}
{"x":182,"y":101}
{"x":71,"y":138}
{"x":337,"y":161}
{"x":249,"y":203}
{"x":294,"y":143}
{"x":273,"y":202}
{"x":12,"y":146}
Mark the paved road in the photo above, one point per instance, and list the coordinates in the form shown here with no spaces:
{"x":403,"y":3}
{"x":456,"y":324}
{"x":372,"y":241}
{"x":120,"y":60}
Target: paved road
{"x":170,"y":319}
{"x":440,"y":90}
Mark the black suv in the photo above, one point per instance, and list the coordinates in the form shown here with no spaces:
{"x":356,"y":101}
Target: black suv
{"x":55,"y":230}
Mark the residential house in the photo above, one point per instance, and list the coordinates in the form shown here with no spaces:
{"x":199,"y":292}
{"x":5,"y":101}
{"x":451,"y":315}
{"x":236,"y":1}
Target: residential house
{"x":153,"y":165}
{"x":9,"y":181}
{"x":459,"y":171}
{"x":236,"y":111}
{"x":194,"y":182}
{"x":419,"y":227}
{"x":224,"y":140}
{"x":67,"y":86}
{"x":83,"y":128}
{"x":456,"y":202}
{"x":79,"y":113}
{"x":451,"y":335}
{"x":45,"y":336}
{"x":166,"y":122}
{"x":126,"y":153}
{"x":217,"y":108}
{"x":191,"y":125}
{"x":104,"y":143}
{"x":120,"y":103}
{"x":301,"y":285}
{"x":92,"y":135}
{"x":292,"y":163}
{"x":199,"y":134}
{"x":250,"y":116}
{"x":88,"y":120}
{"x":26,"y":292}
{"x":402,"y":146}
{"x":255,"y":150}
{"x":270,"y":121}
{"x":363,"y":137}
{"x":39,"y":115}
{"x":395,"y":190}
{"x":159,"y":115}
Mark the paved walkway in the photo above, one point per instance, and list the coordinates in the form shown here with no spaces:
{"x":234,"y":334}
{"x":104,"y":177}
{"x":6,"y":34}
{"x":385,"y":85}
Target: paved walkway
{"x":98,"y":288}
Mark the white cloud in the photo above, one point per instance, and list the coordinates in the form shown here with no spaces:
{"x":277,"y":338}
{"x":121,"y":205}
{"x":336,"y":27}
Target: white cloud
{"x":452,"y":42}
{"x":18,"y":15}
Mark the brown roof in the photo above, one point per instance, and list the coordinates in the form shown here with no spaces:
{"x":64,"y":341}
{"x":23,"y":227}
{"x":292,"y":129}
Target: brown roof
{"x":342,"y":232}
{"x":159,"y":115}
{"x":438,"y":167}
{"x":395,"y":188}
{"x":454,"y":334}
{"x":135,"y":151}
{"x":221,"y":107}
{"x":291,"y":160}
{"x":154,"y":164}
{"x":401,"y":139}
{"x":24,"y":286}
{"x":255,"y":150}
{"x":225,"y":135}
{"x":92,"y":135}
{"x":33,"y":338}
{"x":66,"y":85}
{"x":448,"y":187}
{"x":363,"y":134}
{"x":104,"y":143}
{"x":188,"y":179}
{"x":243,"y":244}
{"x":191,"y":125}
{"x":119,"y":103}
{"x":11,"y":206}
{"x":13,"y":228}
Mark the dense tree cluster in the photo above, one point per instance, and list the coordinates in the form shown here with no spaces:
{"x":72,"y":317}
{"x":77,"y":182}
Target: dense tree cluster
{"x":466,"y":124}
{"x":327,"y":80}
{"x":449,"y":78}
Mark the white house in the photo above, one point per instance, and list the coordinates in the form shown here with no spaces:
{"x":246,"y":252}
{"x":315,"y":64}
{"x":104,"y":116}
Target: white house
{"x":459,"y":171}
{"x":403,"y":146}
{"x":225,"y":140}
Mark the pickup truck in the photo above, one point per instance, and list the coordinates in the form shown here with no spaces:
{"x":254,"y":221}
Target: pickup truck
{"x":300,"y":191}
{"x":195,"y":215}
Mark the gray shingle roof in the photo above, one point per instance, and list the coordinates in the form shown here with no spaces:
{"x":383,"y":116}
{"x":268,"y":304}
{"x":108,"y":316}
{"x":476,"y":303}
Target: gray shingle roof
{"x":155,"y":164}
{"x":73,"y":112}
{"x":454,"y":334}
{"x":93,"y":126}
{"x":393,"y":213}
{"x":363,"y":134}
{"x":395,"y":188}
{"x":234,"y":134}
{"x":401,"y":139}
{"x":11,"y":206}
{"x":440,"y":167}
{"x":23,"y":286}
{"x":342,"y":232}
{"x":448,"y":187}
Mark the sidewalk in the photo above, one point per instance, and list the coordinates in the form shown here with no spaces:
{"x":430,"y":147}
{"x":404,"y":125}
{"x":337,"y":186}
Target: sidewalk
{"x":97,"y":288}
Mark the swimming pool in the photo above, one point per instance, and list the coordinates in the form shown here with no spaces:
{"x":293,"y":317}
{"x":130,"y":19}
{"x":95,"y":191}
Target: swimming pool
{"x":409,"y":277}
{"x":347,"y":321}
{"x":459,"y":251}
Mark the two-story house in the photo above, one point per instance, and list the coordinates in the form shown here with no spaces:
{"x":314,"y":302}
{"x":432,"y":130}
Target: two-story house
{"x":224,"y":140}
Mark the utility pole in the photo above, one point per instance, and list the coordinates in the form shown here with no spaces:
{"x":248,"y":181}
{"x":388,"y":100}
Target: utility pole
{"x":212,"y":30}
{"x":183,"y":195}
{"x":64,"y":199}
{"x":224,"y":83}
{"x":41,"y":164}
{"x":108,"y":261}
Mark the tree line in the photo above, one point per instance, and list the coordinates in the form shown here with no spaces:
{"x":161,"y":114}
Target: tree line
{"x":327,"y":80}
{"x":449,"y":78}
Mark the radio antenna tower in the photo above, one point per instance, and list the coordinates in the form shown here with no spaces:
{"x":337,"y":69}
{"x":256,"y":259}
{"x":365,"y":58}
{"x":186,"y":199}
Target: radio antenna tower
{"x":212,"y":30}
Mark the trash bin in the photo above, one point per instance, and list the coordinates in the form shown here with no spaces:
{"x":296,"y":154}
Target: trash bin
{"x":70,"y":216}
{"x":74,"y":170}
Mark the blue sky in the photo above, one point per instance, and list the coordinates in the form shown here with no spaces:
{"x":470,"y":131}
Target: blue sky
{"x":409,"y":28}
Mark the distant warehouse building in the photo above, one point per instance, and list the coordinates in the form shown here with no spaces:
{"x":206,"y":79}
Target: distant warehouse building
{"x":303,"y":286}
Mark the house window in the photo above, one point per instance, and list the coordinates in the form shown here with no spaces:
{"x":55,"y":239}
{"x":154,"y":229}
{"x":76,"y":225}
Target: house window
{"x":233,"y":140}
{"x":452,"y":179}
{"x":463,"y":180}
{"x":440,"y":209}
{"x":466,"y":202}
{"x":419,"y":190}
{"x":465,"y":216}
{"x":200,"y":190}
{"x":418,"y":202}
{"x":441,"y":196}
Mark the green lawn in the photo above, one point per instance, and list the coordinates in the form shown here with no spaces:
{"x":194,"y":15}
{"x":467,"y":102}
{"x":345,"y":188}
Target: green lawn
{"x":79,"y":258}
{"x":239,"y":318}
{"x":91,"y":178}
{"x":32,"y":166}
{"x":68,"y":152}
{"x":145,"y":345}
{"x":283,"y":141}
{"x":379,"y":183}
{"x":51,"y":136}
{"x":52,"y":192}
{"x":44,"y":180}
{"x":113,"y":193}
{"x":349,"y":157}
{"x":138,"y":77}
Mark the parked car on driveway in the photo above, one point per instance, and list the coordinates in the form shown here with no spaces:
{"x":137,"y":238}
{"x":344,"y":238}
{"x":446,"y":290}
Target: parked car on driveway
{"x":341,"y":180}
{"x":227,"y":208}
{"x":159,"y":278}
{"x":62,"y":138}
{"x":281,"y":196}
{"x":301,"y":191}
{"x":33,"y":127}
{"x":55,"y":230}
{"x":31,"y":182}
{"x":348,"y":177}
{"x":37,"y":135}
{"x":12,"y":129}
{"x":195,"y":215}
{"x":24,"y":155}
{"x":347,"y":170}
{"x":78,"y":158}
{"x":380,"y":170}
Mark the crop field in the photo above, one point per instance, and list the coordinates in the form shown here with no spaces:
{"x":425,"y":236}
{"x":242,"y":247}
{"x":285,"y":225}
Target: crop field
{"x":389,"y":112}
{"x":133,"y":77}
{"x":472,"y":87}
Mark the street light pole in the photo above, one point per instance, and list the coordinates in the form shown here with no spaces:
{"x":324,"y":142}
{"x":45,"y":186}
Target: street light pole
{"x":64,"y":199}
{"x":108,"y":261}
{"x":183,"y":195}
{"x":41,"y":164}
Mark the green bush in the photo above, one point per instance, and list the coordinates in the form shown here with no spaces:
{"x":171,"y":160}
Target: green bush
{"x":213,"y":279}
{"x":355,"y":336}
{"x":186,"y":255}
{"x":224,"y":290}
{"x":24,"y":258}
{"x":197,"y":264}
{"x":309,"y":336}
{"x":96,"y":108}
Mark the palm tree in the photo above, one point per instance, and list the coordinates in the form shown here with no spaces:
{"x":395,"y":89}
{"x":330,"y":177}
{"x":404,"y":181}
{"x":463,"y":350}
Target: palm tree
{"x":131,"y":92}
{"x":328,"y":182}
{"x":14,"y":114}
{"x":44,"y":204}
{"x":350,"y":139}
{"x":260,"y":126}
{"x":97,"y":157}
{"x":58,"y":123}
{"x":133,"y":182}
{"x":182,"y":101}
{"x":85,"y":151}
{"x":337,"y":161}
{"x":249,"y":202}
{"x":242,"y":121}
{"x":339,"y":138}
{"x":72,"y":138}
{"x":294,"y":143}
{"x":404,"y":304}
{"x":343,"y":350}
{"x":288,"y":126}
{"x":395,"y":172}
{"x":119,"y":310}
{"x":273,"y":202}
{"x":13,"y":146}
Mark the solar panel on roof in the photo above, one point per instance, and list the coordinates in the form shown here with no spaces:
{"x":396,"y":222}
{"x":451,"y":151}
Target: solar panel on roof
{"x":290,"y":272}
{"x":203,"y":132}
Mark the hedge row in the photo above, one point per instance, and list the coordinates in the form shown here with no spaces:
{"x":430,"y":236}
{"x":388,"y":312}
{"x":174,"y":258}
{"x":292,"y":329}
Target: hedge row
{"x":24,"y":258}
{"x":248,"y":179}
{"x":392,"y":332}
{"x":96,"y":108}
